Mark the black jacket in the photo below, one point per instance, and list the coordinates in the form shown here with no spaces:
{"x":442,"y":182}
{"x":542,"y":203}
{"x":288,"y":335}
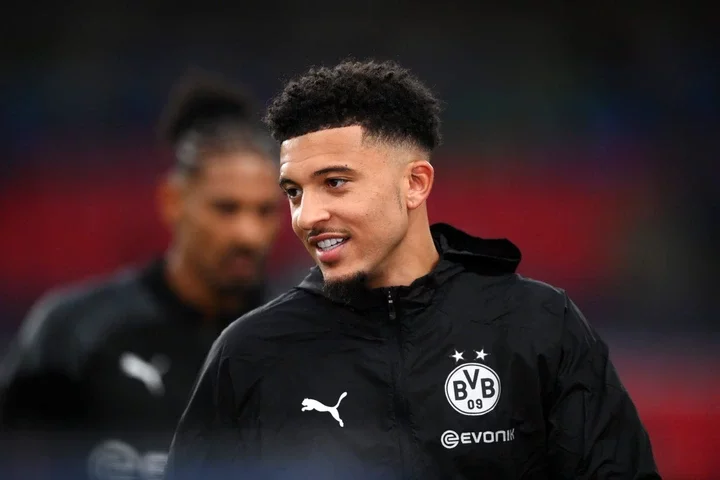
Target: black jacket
{"x":98,"y":377}
{"x":470,"y":372}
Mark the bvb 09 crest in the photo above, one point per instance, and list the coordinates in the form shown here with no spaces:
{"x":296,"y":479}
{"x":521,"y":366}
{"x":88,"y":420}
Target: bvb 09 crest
{"x":472,"y":388}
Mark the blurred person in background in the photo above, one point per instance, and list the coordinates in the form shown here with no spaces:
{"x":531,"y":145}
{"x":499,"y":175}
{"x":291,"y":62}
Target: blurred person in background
{"x":410,"y":350}
{"x":100,"y":372}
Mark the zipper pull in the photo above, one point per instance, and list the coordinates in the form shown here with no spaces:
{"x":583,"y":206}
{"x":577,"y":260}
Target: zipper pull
{"x":391,"y":305}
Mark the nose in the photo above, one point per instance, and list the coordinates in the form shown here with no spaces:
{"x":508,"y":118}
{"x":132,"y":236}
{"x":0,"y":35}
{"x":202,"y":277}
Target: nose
{"x":310,"y":212}
{"x":249,"y":230}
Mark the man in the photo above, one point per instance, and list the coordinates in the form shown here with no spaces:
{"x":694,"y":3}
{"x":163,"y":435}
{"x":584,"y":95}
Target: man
{"x":410,"y":351}
{"x":100,"y":372}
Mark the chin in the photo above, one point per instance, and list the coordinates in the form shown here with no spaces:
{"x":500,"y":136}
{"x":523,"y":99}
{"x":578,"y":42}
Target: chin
{"x":237,"y":284}
{"x":338,"y":274}
{"x":343,"y":287}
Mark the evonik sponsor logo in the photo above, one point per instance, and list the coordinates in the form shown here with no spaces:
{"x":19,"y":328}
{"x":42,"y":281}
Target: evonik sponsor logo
{"x":451,"y":439}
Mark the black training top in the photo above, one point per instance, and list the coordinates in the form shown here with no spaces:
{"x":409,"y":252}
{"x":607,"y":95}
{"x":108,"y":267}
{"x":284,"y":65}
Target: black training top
{"x":471,"y":372}
{"x":98,"y":377}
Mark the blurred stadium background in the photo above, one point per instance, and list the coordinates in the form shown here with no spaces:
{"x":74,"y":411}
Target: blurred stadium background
{"x":588,"y":135}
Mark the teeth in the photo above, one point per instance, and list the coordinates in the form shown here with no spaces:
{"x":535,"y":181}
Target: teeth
{"x":329,"y":242}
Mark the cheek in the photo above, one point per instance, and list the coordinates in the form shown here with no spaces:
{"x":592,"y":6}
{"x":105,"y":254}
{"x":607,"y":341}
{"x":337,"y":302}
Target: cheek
{"x":198,"y":236}
{"x":271,"y":226}
{"x":377,"y":220}
{"x":387,"y":210}
{"x":208,"y":231}
{"x":389,"y":222}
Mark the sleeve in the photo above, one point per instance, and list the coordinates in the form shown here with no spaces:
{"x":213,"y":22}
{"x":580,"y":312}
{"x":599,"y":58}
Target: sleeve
{"x":39,"y":388}
{"x":206,"y":440}
{"x":594,"y":430}
{"x":40,"y":395}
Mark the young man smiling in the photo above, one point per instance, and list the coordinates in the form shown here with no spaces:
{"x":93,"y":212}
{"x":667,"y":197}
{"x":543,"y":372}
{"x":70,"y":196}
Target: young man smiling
{"x":448,"y":363}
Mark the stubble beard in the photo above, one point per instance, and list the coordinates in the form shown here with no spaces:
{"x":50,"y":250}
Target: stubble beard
{"x":344,"y":289}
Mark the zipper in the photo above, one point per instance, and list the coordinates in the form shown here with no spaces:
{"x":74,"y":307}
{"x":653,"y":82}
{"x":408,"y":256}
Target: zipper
{"x":399,"y":405}
{"x":391,"y":305}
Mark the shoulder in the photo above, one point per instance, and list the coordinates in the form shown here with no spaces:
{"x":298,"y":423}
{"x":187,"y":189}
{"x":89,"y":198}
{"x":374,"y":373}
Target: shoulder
{"x":550,"y":315}
{"x":536,"y":294}
{"x":61,"y":323}
{"x":556,"y":302}
{"x":70,"y":306}
{"x":505,"y":294}
{"x":531,"y":305}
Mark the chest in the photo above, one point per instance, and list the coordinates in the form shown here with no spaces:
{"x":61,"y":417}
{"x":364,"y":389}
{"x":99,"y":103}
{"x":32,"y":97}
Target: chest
{"x":444,"y":395}
{"x":142,"y":376}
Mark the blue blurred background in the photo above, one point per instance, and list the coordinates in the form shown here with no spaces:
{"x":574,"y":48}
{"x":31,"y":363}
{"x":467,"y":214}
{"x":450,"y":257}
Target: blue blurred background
{"x":588,"y":135}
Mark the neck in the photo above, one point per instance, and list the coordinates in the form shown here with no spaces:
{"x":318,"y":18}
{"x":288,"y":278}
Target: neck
{"x":193,"y":290}
{"x":413,"y":258}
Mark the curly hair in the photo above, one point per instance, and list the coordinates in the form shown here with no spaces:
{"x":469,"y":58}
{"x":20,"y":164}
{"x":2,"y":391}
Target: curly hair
{"x":382,"y":97}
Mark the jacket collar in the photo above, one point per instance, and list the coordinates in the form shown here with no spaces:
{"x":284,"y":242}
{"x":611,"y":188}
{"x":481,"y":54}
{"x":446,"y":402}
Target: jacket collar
{"x":458,"y":251}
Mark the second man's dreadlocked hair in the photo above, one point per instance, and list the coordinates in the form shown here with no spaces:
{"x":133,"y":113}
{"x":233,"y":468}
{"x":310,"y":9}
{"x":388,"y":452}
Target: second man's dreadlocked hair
{"x":205,"y":113}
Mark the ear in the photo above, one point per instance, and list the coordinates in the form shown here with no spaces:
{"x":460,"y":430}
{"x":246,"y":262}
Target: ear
{"x":168,"y":196}
{"x":420,"y":177}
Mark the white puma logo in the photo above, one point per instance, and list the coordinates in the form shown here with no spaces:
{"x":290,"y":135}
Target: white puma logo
{"x":148,"y":373}
{"x":310,"y":404}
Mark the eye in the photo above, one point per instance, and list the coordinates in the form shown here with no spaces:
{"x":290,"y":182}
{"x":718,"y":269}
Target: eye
{"x":226,"y":207}
{"x":336,"y":182}
{"x":267,"y":210}
{"x":292,"y":192}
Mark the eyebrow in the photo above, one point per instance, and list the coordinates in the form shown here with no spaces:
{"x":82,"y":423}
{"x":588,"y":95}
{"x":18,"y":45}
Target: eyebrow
{"x":284,"y":181}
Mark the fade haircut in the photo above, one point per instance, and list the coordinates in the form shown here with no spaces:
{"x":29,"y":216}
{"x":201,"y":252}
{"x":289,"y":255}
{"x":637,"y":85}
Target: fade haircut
{"x":385,"y":99}
{"x":206,"y":114}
